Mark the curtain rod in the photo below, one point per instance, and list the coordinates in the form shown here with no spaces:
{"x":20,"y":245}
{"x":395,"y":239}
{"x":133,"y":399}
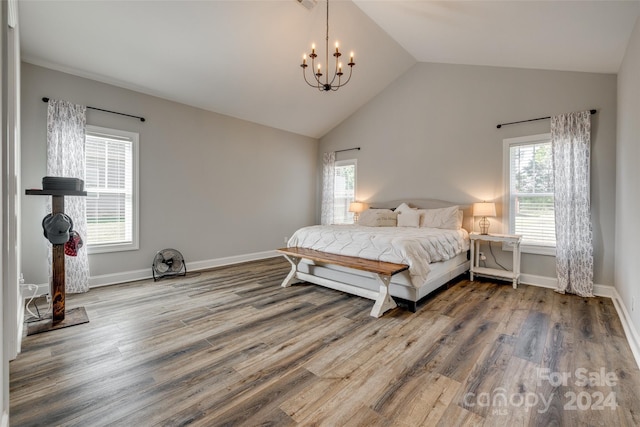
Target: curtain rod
{"x":142,"y":119}
{"x":347,"y":149}
{"x":532,"y":120}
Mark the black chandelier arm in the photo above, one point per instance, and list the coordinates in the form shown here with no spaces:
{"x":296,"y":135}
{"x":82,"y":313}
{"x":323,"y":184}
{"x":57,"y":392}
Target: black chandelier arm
{"x":315,"y":74}
{"x":333,"y":79}
{"x":347,"y":81}
{"x":318,"y":84}
{"x":334,"y":87}
{"x":337,"y":72}
{"x":304,"y":74}
{"x":313,"y":69}
{"x":349,"y":78}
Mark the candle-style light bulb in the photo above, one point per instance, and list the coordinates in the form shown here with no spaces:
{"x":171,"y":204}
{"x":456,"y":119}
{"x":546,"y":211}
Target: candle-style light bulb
{"x":304,"y":59}
{"x":313,"y":48}
{"x":339,"y":67}
{"x":351,"y":60}
{"x":336,"y":47}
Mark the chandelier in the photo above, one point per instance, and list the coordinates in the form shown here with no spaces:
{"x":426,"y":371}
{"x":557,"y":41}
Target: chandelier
{"x":316,"y":80}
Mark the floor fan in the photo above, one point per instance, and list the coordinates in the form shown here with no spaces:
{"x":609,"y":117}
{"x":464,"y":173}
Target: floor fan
{"x":168,"y":262}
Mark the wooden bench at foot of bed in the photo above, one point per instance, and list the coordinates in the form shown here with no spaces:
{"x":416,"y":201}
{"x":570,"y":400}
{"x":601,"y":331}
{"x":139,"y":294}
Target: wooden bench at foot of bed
{"x":381,"y":270}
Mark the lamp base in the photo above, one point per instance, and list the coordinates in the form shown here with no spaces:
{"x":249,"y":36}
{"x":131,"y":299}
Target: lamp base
{"x":484,"y":225}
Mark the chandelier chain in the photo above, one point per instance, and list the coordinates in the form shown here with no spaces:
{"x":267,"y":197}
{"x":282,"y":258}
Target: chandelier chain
{"x":326,"y":52}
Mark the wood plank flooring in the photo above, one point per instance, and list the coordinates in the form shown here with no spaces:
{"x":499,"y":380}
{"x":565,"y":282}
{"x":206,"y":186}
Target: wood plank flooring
{"x":230,"y":347}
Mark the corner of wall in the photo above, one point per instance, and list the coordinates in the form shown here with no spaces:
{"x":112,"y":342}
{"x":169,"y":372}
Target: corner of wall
{"x":627,"y":198}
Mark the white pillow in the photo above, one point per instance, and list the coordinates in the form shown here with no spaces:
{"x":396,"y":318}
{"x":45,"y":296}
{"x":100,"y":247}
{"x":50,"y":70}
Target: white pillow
{"x":409,"y":218}
{"x":460,"y":218}
{"x":378,"y":218}
{"x":447,"y":218}
{"x":403,"y":207}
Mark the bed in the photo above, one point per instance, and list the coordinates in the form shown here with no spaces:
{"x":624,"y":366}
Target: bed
{"x":434,"y":256}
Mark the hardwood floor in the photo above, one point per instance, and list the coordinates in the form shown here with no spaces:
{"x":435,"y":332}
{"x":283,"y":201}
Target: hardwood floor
{"x":230,"y":347}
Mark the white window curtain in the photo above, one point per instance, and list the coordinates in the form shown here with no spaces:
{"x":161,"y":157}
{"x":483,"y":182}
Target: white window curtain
{"x":571,"y":145}
{"x":66,"y":125}
{"x":328,"y":177}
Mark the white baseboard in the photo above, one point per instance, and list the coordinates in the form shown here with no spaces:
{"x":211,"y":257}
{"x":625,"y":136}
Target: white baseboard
{"x":237,"y":259}
{"x":541,"y":281}
{"x":130,"y":276}
{"x":604,"y":291}
{"x":13,"y":343}
{"x":43,"y":289}
{"x":629,"y":328}
{"x":4,"y":422}
{"x":552,"y":283}
{"x":20,"y":328}
{"x":117,"y":278}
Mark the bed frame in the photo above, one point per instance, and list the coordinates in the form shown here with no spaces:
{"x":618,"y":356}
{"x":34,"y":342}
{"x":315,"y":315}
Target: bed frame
{"x":337,"y":272}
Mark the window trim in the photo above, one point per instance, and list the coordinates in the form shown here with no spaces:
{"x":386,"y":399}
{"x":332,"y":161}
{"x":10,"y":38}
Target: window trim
{"x":344,"y":162}
{"x":506,"y":211}
{"x":134,"y":137}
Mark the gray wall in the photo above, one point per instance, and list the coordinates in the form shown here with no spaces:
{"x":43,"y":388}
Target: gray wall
{"x":628,"y":178}
{"x":432,"y":134}
{"x":211,"y":186}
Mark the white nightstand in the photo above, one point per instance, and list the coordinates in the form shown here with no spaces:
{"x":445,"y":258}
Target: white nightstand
{"x":512,"y":240}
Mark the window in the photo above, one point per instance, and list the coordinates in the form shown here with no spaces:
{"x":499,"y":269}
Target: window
{"x":111,"y":182}
{"x":344,"y":191}
{"x":529,"y":192}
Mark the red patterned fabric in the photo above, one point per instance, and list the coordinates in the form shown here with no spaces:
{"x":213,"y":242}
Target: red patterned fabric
{"x":73,"y":244}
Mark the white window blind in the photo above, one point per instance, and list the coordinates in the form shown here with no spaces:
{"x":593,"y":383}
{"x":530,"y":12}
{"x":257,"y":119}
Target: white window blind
{"x":530,"y":191}
{"x":344,"y":191}
{"x":110,"y":186}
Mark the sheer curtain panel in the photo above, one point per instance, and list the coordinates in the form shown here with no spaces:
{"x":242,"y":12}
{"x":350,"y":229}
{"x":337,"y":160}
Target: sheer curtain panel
{"x":328,"y":177}
{"x":66,"y":123}
{"x":571,"y":145}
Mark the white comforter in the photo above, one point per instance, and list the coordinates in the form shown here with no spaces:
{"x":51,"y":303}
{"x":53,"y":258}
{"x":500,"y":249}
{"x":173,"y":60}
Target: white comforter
{"x":416,"y":247}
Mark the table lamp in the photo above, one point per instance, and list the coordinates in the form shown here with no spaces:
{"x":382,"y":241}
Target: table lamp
{"x":484,"y":210}
{"x":356,"y":208}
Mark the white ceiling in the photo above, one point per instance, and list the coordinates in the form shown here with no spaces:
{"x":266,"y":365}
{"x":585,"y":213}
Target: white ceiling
{"x":241,"y":58}
{"x":587,"y":36}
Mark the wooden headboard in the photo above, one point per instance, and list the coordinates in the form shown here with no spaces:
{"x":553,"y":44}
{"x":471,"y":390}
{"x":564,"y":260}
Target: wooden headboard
{"x":467,"y":220}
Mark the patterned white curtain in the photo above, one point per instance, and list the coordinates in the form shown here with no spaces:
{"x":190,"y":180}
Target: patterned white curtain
{"x":571,"y":145}
{"x":328,"y":176}
{"x":66,"y":124}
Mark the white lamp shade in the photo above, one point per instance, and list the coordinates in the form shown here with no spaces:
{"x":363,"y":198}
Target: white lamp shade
{"x":484,"y":209}
{"x":356,"y":207}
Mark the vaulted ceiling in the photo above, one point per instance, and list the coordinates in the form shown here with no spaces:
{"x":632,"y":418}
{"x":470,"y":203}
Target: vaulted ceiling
{"x":241,"y":58}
